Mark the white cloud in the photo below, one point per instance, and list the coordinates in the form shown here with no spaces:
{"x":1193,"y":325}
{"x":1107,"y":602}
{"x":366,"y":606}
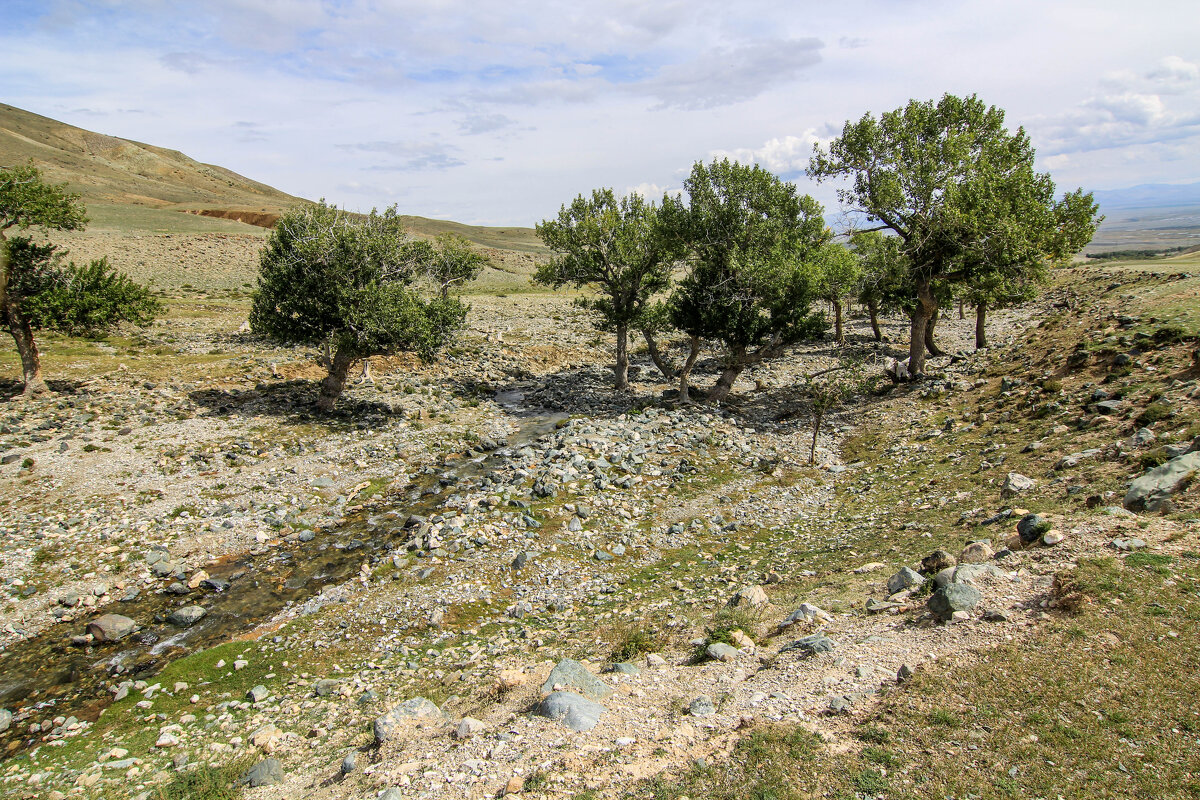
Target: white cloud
{"x":785,"y":154}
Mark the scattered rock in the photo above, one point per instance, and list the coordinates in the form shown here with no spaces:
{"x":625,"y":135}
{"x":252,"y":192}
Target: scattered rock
{"x":751,"y":596}
{"x":806,"y":613}
{"x":267,"y":772}
{"x":571,"y":674}
{"x":468,"y":727}
{"x":1031,"y":527}
{"x":186,"y":616}
{"x":1152,"y":490}
{"x":702,"y":706}
{"x":904,"y":579}
{"x":111,"y":628}
{"x":976,"y":553}
{"x":811,"y":645}
{"x":1016,"y":483}
{"x":575,"y":711}
{"x":418,"y":708}
{"x":1052,"y":538}
{"x":936,"y":561}
{"x":719,"y":651}
{"x":955,"y":597}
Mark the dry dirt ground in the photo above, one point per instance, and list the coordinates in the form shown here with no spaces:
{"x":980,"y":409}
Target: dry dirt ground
{"x":603,"y":528}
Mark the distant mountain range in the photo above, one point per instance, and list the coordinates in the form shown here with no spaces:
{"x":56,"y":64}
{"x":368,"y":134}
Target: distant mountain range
{"x":1149,"y":195}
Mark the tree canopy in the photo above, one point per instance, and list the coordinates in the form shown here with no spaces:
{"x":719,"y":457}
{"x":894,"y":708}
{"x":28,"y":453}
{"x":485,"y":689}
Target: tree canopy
{"x":328,"y":277}
{"x":621,"y":249}
{"x":960,"y":192}
{"x":752,"y":244}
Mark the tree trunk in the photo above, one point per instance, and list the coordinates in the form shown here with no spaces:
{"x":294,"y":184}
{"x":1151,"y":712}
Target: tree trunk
{"x":666,"y":369}
{"x":920,"y":314}
{"x":622,"y":367}
{"x":930,"y":344}
{"x":31,"y":362}
{"x":961,"y":314}
{"x":724,"y":384}
{"x":335,"y":381}
{"x":839,"y":335}
{"x":686,"y":372}
{"x":812,"y":452}
{"x":873,"y":310}
{"x":980,"y":320}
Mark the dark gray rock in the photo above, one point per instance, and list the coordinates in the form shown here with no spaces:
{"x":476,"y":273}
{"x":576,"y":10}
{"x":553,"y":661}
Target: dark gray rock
{"x":936,"y":561}
{"x":1031,"y":527}
{"x":571,"y":674}
{"x":575,"y":711}
{"x":702,"y":706}
{"x":809,"y":646}
{"x":326,"y":687}
{"x":904,"y":579}
{"x":955,"y":597}
{"x":625,"y":668}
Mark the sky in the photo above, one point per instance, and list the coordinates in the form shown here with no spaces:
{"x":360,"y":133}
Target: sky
{"x":497,"y":113}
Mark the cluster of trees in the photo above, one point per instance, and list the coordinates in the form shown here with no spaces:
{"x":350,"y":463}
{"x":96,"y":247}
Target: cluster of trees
{"x":947,"y":206}
{"x":38,"y":290}
{"x":352,"y":283}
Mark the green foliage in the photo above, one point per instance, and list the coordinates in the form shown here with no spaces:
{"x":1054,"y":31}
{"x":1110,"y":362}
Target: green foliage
{"x":451,"y":261}
{"x":960,"y":193}
{"x":82,"y":301}
{"x":1155,"y":412}
{"x":839,"y":272}
{"x":26,"y":200}
{"x":620,"y":249}
{"x":753,"y":245}
{"x":204,"y":782}
{"x":330,"y":277}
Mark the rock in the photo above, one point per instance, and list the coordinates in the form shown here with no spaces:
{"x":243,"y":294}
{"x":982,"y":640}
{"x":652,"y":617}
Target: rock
{"x":267,"y":772}
{"x":258,"y":694}
{"x":976,"y":553}
{"x":1151,"y":490}
{"x":806,"y":613}
{"x":742,"y":642}
{"x":166,"y":739}
{"x":897,"y":370}
{"x":936,"y":561}
{"x":391,"y":793}
{"x":327,"y":687}
{"x":973,"y":573}
{"x":1128,"y":545}
{"x":904,"y":579}
{"x":625,"y":668}
{"x":1052,"y":538}
{"x":953,"y":598}
{"x":809,"y":646}
{"x":702,"y":706}
{"x":349,"y":763}
{"x":752,"y":596}
{"x":576,"y":712}
{"x":572,"y":674}
{"x":1143,"y":437}
{"x":111,"y":628}
{"x":1016,"y":483}
{"x":214,"y":584}
{"x":719,"y":651}
{"x":1031,"y":527}
{"x":468,"y":727}
{"x":186,"y":616}
{"x":874,"y":606}
{"x":5,"y":719}
{"x":904,"y":673}
{"x":418,"y":708}
{"x":655,"y":660}
{"x":267,"y":738}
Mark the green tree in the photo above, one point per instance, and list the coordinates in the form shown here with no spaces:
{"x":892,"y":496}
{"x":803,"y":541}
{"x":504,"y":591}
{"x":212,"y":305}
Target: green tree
{"x":840,"y":273}
{"x":827,"y":391}
{"x":883,"y":273}
{"x":27,"y":201}
{"x":618,"y":248}
{"x":345,"y":281}
{"x":453,"y":261}
{"x":960,"y":192}
{"x":753,"y":245}
{"x":997,"y":289}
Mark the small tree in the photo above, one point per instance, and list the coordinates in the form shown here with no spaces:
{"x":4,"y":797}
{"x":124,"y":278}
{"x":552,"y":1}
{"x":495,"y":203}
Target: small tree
{"x":618,"y":248}
{"x":27,"y":201}
{"x":753,"y":245}
{"x":883,"y":273}
{"x":960,"y":192}
{"x":453,"y":261}
{"x":841,"y":272}
{"x":332,"y":278}
{"x":828,"y":392}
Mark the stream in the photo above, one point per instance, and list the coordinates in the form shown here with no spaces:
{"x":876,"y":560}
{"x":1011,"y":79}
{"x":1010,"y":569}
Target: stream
{"x":50,"y":676}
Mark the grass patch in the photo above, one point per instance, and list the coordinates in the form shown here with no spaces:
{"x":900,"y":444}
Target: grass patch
{"x":205,"y":782}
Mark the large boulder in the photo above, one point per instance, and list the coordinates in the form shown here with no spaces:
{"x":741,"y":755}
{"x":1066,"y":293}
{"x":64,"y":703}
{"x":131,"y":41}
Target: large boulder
{"x":111,"y":628}
{"x":750,"y":596}
{"x":187,"y":616}
{"x":573,"y":675}
{"x":575,"y":711}
{"x":953,"y":598}
{"x":1151,"y":491}
{"x":414,"y":710}
{"x":267,"y":772}
{"x":1031,"y":527}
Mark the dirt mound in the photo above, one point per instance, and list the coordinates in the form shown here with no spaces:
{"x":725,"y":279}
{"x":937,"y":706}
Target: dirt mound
{"x":262,"y":219}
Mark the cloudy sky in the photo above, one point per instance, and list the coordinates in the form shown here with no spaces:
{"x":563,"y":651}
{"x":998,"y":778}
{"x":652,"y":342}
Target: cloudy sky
{"x":498,"y":112}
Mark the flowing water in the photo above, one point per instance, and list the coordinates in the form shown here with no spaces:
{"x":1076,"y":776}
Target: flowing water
{"x":52,"y":677}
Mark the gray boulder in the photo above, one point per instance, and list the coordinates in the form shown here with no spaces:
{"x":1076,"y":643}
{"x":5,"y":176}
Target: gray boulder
{"x":904,"y":579}
{"x":568,"y":673}
{"x":1016,"y":483}
{"x":267,"y":772}
{"x":702,"y":706}
{"x":5,"y":719}
{"x":974,"y":573}
{"x":1031,"y":527}
{"x":186,"y":616}
{"x":955,"y":597}
{"x":418,"y":708}
{"x":111,"y":628}
{"x":719,"y":651}
{"x":576,"y":712}
{"x":1151,"y":491}
{"x":809,"y":646}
